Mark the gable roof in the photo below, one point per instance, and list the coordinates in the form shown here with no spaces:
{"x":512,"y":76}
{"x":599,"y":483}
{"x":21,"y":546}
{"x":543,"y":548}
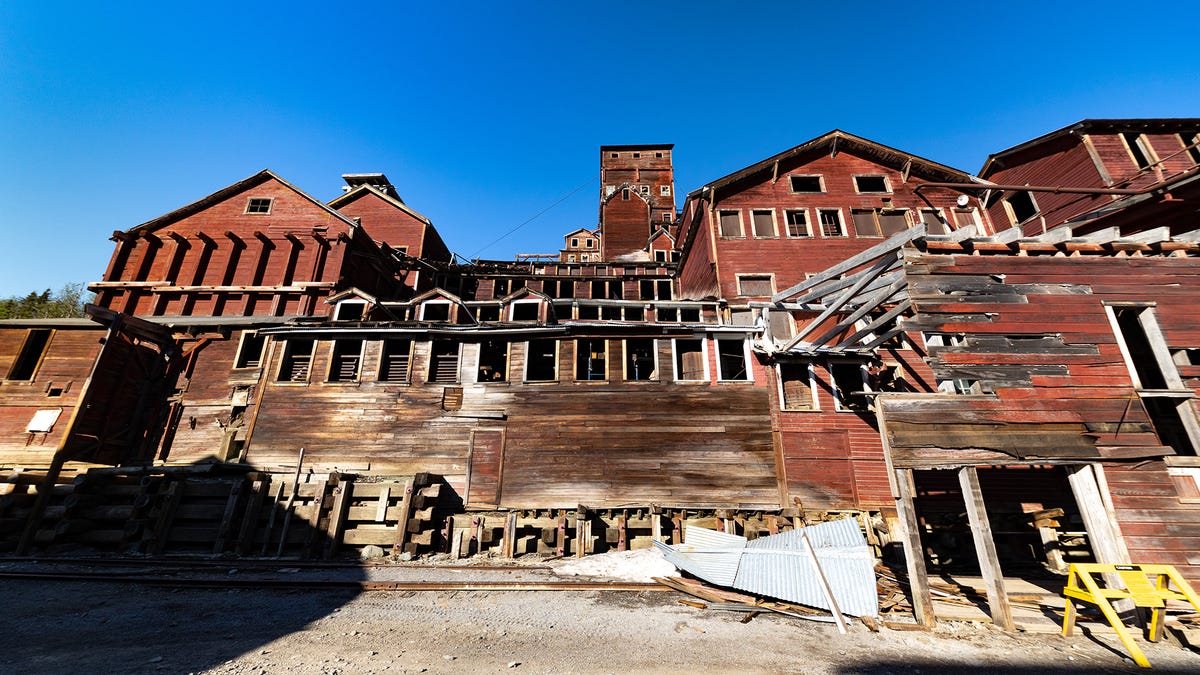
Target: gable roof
{"x":367,"y":188}
{"x":227,"y":192}
{"x":1086,"y":126}
{"x":582,"y":230}
{"x":836,"y":141}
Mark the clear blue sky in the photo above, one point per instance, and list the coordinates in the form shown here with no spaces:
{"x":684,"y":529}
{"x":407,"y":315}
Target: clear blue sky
{"x":483,"y":114}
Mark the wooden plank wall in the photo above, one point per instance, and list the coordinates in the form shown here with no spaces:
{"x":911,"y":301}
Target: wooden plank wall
{"x":603,"y":444}
{"x":66,"y":365}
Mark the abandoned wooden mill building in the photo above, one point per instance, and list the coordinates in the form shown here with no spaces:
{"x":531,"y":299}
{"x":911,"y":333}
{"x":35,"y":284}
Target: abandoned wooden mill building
{"x":993,"y":372}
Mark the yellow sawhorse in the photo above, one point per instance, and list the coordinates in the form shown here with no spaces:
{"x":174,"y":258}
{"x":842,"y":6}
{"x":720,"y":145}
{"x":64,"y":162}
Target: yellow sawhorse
{"x":1138,"y":588}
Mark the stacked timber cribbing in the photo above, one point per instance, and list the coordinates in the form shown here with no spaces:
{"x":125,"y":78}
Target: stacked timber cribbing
{"x":221,"y":509}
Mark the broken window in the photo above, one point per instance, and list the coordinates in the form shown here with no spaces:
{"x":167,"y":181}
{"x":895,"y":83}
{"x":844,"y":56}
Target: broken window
{"x":763,"y":223}
{"x":664,"y":190}
{"x":797,"y":223}
{"x":935,"y":223}
{"x":1139,"y":150}
{"x":345,"y":361}
{"x":781,"y":324}
{"x":964,"y":217}
{"x":487,"y":313}
{"x":690,"y":363}
{"x":879,"y":222}
{"x":591,"y":359}
{"x":443,"y":361}
{"x":297,"y":359}
{"x":541,"y":361}
{"x":849,"y":382}
{"x":610,"y":290}
{"x":394,"y":363}
{"x":33,"y":349}
{"x":250,"y":352}
{"x":1191,"y":141}
{"x":755,"y":285}
{"x":635,"y":313}
{"x":641,"y":362}
{"x":796,"y":386}
{"x":1155,"y":374}
{"x":731,"y":224}
{"x":666,"y":314}
{"x":500,"y":287}
{"x":350,"y":311}
{"x":493,"y":361}
{"x":625,"y":194}
{"x":526,"y":310}
{"x":610,"y":313}
{"x":689,"y":314}
{"x":870,"y":184}
{"x":806,"y":183}
{"x":435,"y":311}
{"x":646,"y":289}
{"x":589,"y":313}
{"x":258,"y":205}
{"x":864,"y":222}
{"x":1021,"y":207}
{"x":831,"y":222}
{"x":663,"y":289}
{"x":731,"y":360}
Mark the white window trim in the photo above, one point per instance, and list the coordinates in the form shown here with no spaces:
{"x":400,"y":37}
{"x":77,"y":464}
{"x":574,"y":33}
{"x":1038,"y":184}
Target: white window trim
{"x":960,"y":210}
{"x":841,"y":224}
{"x":449,"y":314}
{"x":512,"y":306}
{"x":745,"y":356}
{"x":664,"y":190}
{"x":609,"y":189}
{"x":1012,"y":216}
{"x":820,"y":180}
{"x":270,"y":206}
{"x":337,"y":310}
{"x":738,"y":282}
{"x":774,"y":224}
{"x":675,"y":360}
{"x":741,"y":225}
{"x":887,"y":183}
{"x":787,"y":227}
{"x":625,"y":355}
{"x":812,"y":389}
{"x":1146,"y":149}
{"x":938,"y":212}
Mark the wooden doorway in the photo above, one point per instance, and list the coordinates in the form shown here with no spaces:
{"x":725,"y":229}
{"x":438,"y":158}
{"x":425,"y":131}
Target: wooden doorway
{"x":485,"y":468}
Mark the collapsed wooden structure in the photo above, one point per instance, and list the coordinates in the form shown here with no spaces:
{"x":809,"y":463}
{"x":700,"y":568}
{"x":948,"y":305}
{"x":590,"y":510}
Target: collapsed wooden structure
{"x":843,"y":327}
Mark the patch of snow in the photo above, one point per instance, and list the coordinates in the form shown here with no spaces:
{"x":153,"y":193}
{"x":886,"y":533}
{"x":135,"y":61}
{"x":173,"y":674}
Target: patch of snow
{"x":641,"y":565}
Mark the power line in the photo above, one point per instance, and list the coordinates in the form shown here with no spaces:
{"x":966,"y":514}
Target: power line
{"x":536,"y":215}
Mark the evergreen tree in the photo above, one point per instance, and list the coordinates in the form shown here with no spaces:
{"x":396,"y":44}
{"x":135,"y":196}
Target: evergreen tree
{"x":67,"y":302}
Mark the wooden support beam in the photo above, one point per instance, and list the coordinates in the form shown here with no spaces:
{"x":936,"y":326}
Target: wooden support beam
{"x":914,"y":554}
{"x":985,"y":548}
{"x":508,"y":543}
{"x":258,"y":494}
{"x":231,"y":507}
{"x":835,"y":306}
{"x":869,"y":304}
{"x":889,"y":246}
{"x":402,"y":518}
{"x":561,"y":541}
{"x":656,"y":523}
{"x":337,"y":517}
{"x":166,"y":516}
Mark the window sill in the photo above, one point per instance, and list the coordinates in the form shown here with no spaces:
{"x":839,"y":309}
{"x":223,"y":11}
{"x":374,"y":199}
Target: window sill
{"x":800,"y":410}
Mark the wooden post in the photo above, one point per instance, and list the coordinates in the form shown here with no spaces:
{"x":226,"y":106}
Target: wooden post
{"x":985,"y":548}
{"x":509,"y":541}
{"x":622,"y":521}
{"x":381,"y":506}
{"x":313,"y":541}
{"x":258,"y":492}
{"x":274,"y":506}
{"x":914,"y":555}
{"x":656,"y":522}
{"x":337,"y":516}
{"x":166,"y":515}
{"x":231,"y":505}
{"x":291,"y":503}
{"x":561,"y":547}
{"x":452,"y":536}
{"x":580,"y":532}
{"x":402,"y":518}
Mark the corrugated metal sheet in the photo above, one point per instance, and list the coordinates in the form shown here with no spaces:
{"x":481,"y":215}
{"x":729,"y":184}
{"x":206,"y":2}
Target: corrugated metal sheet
{"x":780,"y":566}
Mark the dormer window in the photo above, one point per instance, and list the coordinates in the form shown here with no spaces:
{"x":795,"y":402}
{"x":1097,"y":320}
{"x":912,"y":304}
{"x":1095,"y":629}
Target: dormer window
{"x":259,"y":205}
{"x":350,"y":311}
{"x":435,"y":311}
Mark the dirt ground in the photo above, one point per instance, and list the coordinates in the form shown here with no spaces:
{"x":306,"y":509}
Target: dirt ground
{"x":94,"y":627}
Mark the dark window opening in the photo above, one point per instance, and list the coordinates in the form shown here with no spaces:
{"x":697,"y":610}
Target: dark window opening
{"x":731,"y":358}
{"x":637,"y":155}
{"x":646,"y":289}
{"x":346,"y":359}
{"x":1140,"y":157}
{"x":806,"y":183}
{"x":493,"y":361}
{"x":589,"y":313}
{"x":831,"y":222}
{"x":689,"y":314}
{"x":30,"y":356}
{"x":54,"y":392}
{"x":663,"y":289}
{"x":435,"y":311}
{"x":731,"y":225}
{"x":1167,"y":420}
{"x":797,"y":223}
{"x":1023,"y":207}
{"x":610,"y":313}
{"x":797,"y":386}
{"x":1140,"y":351}
{"x":297,"y":359}
{"x":689,"y":359}
{"x":1191,"y":141}
{"x":443,"y":361}
{"x":541,"y":361}
{"x":660,"y":256}
{"x":635,"y":313}
{"x":625,"y":194}
{"x":250,"y":353}
{"x":525,"y":311}
{"x":350,"y":311}
{"x":394,"y":364}
{"x":641,"y":362}
{"x":487,"y":313}
{"x":258,"y":205}
{"x":848,"y":386}
{"x":666,"y":314}
{"x":612,"y":155}
{"x":500,"y":287}
{"x":591,"y":360}
{"x":870,"y":184}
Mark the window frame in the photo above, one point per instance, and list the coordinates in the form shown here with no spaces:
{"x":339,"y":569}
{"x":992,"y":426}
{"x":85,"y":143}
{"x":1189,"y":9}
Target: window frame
{"x":814,"y":400}
{"x":431,"y":369}
{"x":1006,"y":202}
{"x":754,"y":224}
{"x":741,"y":233}
{"x":506,"y":374}
{"x":769,"y":276}
{"x":512,"y":306}
{"x":625,"y":362}
{"x":837,"y":391}
{"x":664,"y":190}
{"x":745,"y":359}
{"x":788,"y":224}
{"x":820,"y":183}
{"x":289,"y":355}
{"x":449,"y":310}
{"x":383,"y":360}
{"x":675,"y":354}
{"x":337,"y":310}
{"x":555,"y":362}
{"x":607,"y":360}
{"x":939,"y":216}
{"x":23,"y":358}
{"x":253,"y":205}
{"x":887,"y":184}
{"x":238,"y":356}
{"x":1143,"y":147}
{"x":841,"y":223}
{"x":330,"y":367}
